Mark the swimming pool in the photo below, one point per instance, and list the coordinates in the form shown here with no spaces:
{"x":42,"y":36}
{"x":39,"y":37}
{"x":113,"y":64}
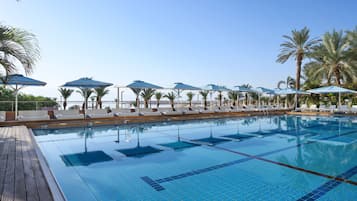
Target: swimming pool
{"x":253,"y":158}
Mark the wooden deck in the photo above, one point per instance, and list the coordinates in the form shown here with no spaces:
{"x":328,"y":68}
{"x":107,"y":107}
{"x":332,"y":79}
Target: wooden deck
{"x":21,"y":176}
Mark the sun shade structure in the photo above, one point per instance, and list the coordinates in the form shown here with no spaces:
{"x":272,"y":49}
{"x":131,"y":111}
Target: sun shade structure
{"x":289,"y":91}
{"x":214,"y":87}
{"x":182,"y":86}
{"x":18,"y":82}
{"x":332,"y":89}
{"x":138,"y":84}
{"x":243,"y":89}
{"x":87,"y":83}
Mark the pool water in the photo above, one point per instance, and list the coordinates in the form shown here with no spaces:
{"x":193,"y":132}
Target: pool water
{"x":253,"y":158}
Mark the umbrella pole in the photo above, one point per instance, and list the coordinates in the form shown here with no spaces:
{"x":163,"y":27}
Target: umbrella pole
{"x":339,"y":99}
{"x":85,"y":103}
{"x":16,"y":102}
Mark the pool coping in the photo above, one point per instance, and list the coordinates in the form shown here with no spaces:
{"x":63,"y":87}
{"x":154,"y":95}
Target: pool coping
{"x":57,"y":193}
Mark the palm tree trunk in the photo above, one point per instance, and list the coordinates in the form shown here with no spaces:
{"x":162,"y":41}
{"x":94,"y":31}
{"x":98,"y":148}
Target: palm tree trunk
{"x":157,"y":103}
{"x":64,"y":104}
{"x":338,"y":76}
{"x":298,"y":75}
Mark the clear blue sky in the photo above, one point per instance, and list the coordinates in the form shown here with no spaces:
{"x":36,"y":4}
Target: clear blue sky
{"x":228,"y":42}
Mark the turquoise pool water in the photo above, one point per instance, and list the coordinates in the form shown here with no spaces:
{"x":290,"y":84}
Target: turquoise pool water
{"x":255,"y":158}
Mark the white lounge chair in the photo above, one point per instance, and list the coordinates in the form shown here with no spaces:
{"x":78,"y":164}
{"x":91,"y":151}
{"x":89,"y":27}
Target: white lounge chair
{"x":67,"y":114}
{"x":124,"y":112}
{"x":354,"y":109}
{"x":149,"y":112}
{"x":2,"y":115}
{"x":343,"y":109}
{"x":33,"y":115}
{"x":313,"y":108}
{"x":98,"y":113}
{"x":169,"y":111}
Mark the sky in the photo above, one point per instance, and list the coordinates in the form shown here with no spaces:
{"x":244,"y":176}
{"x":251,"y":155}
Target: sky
{"x":226,"y":42}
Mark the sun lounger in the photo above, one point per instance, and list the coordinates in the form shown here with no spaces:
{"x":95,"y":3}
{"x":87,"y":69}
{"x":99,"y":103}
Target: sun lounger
{"x":324,"y":108}
{"x":33,"y":115}
{"x":313,"y":108}
{"x":124,"y":112}
{"x":190,"y":111}
{"x":168,"y":112}
{"x":354,"y":109}
{"x":2,"y":116}
{"x":98,"y":113}
{"x":343,"y":109}
{"x":67,"y":114}
{"x":149,"y":112}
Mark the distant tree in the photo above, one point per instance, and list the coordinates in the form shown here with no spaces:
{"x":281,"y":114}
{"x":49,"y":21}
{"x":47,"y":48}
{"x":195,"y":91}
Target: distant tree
{"x":85,"y":93}
{"x":100,"y":93}
{"x":158,"y":96}
{"x":233,"y":96}
{"x":137,"y":94}
{"x":171,"y":96}
{"x":65,"y":93}
{"x":189,"y":98}
{"x":204,"y":95}
{"x":146,"y":94}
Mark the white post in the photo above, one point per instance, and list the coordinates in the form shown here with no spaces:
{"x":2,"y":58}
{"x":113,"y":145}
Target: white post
{"x":85,"y":103}
{"x":118,"y":92}
{"x":339,"y":99}
{"x":16,"y":105}
{"x":16,"y":101}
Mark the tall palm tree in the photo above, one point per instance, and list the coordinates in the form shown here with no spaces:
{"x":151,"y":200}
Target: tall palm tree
{"x":85,"y":93}
{"x":65,"y":93}
{"x":137,"y":93}
{"x":248,"y":86}
{"x":100,"y":93}
{"x":204,"y":95}
{"x":158,"y":96}
{"x":233,"y":96}
{"x":147,"y":94}
{"x":171,"y":96}
{"x":289,"y":83}
{"x":189,"y":98}
{"x":332,"y":60}
{"x":17,"y":46}
{"x":297,"y":46}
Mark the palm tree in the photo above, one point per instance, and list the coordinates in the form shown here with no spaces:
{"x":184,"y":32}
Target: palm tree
{"x":147,"y":94}
{"x":204,"y":95}
{"x":332,"y":61}
{"x":158,"y":96}
{"x":289,"y":83}
{"x":233,"y":96}
{"x":137,"y":93}
{"x":17,"y":46}
{"x":171,"y":96}
{"x":100,"y":93}
{"x":85,"y":93}
{"x":248,"y":86}
{"x":297,"y":46}
{"x":189,"y":98}
{"x":65,"y":93}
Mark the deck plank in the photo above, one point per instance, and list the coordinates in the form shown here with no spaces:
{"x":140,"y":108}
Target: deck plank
{"x":42,"y":186}
{"x":21,"y":176}
{"x":9,"y":180}
{"x":30,"y":183}
{"x":3,"y":160}
{"x":20,"y":189}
